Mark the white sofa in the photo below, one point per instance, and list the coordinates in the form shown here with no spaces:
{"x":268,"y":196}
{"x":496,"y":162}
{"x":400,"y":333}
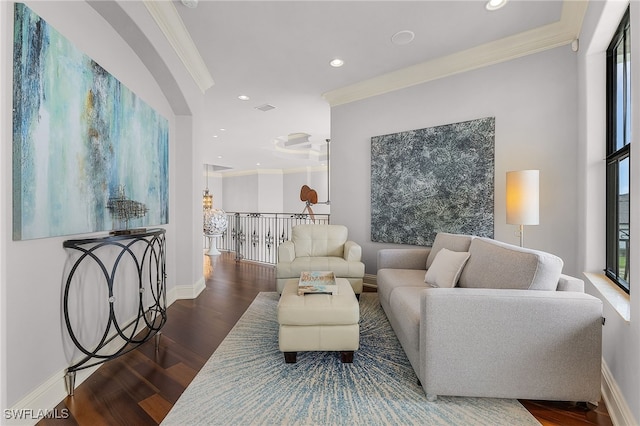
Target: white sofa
{"x":495,"y":320}
{"x":320,"y":248}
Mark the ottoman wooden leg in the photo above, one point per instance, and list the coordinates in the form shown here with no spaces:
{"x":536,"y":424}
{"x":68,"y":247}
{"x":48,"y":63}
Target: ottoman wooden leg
{"x":290,"y":357}
{"x":346,"y":357}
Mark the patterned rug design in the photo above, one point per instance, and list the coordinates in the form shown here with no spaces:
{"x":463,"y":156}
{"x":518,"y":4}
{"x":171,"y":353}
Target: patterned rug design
{"x":246,"y":382}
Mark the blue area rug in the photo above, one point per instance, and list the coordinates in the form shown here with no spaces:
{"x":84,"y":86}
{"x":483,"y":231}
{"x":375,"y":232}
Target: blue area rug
{"x":246,"y":382}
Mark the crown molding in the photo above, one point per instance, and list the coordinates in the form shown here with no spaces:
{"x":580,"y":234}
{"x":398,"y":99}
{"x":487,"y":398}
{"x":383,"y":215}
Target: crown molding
{"x":307,"y":169}
{"x":556,"y":34}
{"x":251,"y":172}
{"x":166,"y":16}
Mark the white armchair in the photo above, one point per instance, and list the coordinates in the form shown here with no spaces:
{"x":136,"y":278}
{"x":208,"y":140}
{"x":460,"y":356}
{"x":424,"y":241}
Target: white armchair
{"x":320,"y":248}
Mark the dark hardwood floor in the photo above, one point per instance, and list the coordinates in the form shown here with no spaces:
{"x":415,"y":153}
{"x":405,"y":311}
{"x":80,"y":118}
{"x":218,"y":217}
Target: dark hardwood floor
{"x":140,"y":387}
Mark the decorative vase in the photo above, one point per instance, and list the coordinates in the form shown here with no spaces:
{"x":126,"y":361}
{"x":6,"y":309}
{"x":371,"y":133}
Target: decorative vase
{"x":215,"y":224}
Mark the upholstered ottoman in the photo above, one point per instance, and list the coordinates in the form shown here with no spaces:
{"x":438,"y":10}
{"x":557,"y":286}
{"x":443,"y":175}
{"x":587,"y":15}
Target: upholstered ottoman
{"x":318,"y":322}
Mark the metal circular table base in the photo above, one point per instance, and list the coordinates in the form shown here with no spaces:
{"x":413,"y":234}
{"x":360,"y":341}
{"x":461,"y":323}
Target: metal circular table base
{"x":114,"y":296}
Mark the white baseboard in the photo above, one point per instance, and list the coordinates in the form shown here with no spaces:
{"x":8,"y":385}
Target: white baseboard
{"x":42,"y":401}
{"x":30,"y":409}
{"x":617,"y":407}
{"x":186,"y":291}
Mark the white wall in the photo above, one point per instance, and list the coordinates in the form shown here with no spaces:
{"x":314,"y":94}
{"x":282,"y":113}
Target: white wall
{"x":215,"y":188}
{"x":240,"y":193}
{"x":315,"y":179}
{"x":621,"y":338}
{"x":271,"y":191}
{"x":534,"y":102}
{"x":185,"y":202}
{"x":32,"y":349}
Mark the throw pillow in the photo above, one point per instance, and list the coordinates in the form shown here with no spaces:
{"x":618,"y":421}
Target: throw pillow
{"x":446,"y":268}
{"x":454,"y":242}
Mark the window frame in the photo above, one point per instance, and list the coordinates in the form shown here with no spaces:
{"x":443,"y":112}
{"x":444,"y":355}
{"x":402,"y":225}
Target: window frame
{"x":615,"y":156}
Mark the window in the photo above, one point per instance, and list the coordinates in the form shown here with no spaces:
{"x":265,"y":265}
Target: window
{"x":618,"y":154}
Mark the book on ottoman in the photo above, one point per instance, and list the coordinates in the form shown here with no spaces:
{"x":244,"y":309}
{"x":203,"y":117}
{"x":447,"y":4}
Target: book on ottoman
{"x":317,"y":282}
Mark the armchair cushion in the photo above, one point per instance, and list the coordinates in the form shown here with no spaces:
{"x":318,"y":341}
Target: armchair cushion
{"x":340,"y":267}
{"x":319,"y":240}
{"x":352,"y":251}
{"x":286,"y":252}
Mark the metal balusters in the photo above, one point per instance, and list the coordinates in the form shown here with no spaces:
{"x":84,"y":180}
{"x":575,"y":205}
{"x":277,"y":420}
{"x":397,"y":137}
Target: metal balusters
{"x":256,"y":236}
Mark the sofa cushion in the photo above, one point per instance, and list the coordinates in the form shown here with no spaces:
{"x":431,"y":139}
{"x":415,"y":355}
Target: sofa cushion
{"x":390,"y":279}
{"x":446,"y":268}
{"x":319,"y":240}
{"x":453,"y":242}
{"x":494,"y":264}
{"x":405,"y":302}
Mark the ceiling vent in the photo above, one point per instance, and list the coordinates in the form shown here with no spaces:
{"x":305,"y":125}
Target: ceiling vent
{"x":217,"y":168}
{"x":265,"y":107}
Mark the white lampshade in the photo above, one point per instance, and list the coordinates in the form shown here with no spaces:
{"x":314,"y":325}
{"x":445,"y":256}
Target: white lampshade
{"x":523,"y":196}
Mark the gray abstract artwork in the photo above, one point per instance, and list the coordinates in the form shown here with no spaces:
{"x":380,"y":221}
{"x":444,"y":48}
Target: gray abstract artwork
{"x":438,"y":179}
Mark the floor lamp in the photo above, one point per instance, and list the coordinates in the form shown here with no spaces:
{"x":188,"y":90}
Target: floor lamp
{"x":523,"y":197}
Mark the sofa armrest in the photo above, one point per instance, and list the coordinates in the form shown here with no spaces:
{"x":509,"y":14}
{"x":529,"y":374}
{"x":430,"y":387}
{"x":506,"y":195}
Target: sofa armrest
{"x":511,"y":344}
{"x":569,"y":283}
{"x":352,"y":251}
{"x":286,"y":252}
{"x":403,"y":258}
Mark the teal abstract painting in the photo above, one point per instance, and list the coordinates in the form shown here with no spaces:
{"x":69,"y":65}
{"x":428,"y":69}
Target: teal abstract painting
{"x":79,"y":137}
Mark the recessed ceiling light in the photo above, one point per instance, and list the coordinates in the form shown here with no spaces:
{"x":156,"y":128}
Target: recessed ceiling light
{"x":222,"y":130}
{"x":214,"y":136}
{"x":257,"y":164}
{"x":495,"y":4}
{"x":402,"y":37}
{"x":219,"y":156}
{"x":337,"y":62}
{"x":243,"y":97}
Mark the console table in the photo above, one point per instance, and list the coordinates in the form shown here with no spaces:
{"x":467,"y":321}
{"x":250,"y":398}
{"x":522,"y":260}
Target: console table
{"x":120,"y":282}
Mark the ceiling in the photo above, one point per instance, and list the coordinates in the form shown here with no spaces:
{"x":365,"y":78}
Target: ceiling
{"x":278,"y":52}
